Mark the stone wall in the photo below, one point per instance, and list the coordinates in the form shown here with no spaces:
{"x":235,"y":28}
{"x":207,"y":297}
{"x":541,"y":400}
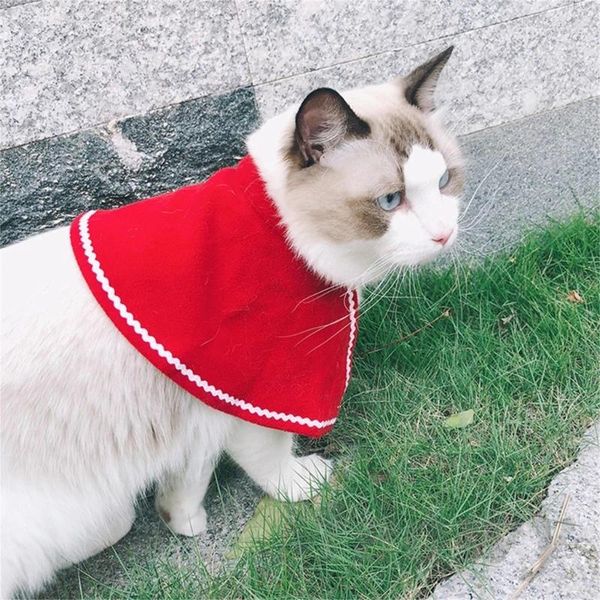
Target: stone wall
{"x":108,"y":101}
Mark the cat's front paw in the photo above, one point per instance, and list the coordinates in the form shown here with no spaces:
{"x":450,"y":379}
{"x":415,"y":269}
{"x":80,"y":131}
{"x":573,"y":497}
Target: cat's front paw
{"x":180,"y":522}
{"x":304,"y":478}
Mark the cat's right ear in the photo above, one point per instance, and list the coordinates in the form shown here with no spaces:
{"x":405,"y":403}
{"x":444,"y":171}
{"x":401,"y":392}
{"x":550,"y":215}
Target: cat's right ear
{"x":324,"y":120}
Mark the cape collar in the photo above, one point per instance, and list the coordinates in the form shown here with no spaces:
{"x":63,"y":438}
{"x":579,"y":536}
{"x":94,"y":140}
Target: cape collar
{"x":203,"y":283}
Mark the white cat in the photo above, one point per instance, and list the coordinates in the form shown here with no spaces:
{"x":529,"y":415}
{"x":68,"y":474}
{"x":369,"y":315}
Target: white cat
{"x":364,"y":183}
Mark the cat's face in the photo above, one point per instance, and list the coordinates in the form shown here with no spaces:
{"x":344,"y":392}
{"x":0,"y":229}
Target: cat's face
{"x":371,"y":182}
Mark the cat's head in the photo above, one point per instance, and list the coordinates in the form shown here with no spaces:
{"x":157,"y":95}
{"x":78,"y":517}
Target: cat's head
{"x":365,"y":181}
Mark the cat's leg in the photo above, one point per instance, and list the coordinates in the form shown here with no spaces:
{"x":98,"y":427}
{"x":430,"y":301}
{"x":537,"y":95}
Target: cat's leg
{"x":268,"y":458}
{"x":180,"y":494}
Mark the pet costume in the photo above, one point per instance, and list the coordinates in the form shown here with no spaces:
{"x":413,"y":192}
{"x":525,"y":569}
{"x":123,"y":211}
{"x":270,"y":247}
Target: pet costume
{"x":204,"y":284}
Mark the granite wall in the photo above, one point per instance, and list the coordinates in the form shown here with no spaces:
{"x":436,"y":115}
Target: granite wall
{"x":104,"y":102}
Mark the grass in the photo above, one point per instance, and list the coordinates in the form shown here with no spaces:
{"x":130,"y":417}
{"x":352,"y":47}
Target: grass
{"x":414,"y":500}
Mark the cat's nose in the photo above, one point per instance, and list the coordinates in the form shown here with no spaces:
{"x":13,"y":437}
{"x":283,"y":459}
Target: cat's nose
{"x":442,"y":238}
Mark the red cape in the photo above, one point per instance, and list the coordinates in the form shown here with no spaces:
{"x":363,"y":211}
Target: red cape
{"x":204,"y":284}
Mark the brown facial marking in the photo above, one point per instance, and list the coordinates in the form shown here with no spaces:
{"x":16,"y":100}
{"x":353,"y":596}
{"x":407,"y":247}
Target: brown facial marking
{"x":373,"y":222}
{"x":357,"y":218}
{"x":406,"y":133}
{"x":456,"y":183}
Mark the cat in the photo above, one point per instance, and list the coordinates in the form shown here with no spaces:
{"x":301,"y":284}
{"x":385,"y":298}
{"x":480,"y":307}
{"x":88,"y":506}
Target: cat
{"x":364,"y":182}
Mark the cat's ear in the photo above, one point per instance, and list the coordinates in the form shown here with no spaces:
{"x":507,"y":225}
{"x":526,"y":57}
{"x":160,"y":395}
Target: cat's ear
{"x":324,"y":120}
{"x":419,"y":85}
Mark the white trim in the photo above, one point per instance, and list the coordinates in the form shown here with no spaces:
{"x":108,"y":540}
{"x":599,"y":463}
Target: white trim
{"x":352,"y":335}
{"x":88,"y":248}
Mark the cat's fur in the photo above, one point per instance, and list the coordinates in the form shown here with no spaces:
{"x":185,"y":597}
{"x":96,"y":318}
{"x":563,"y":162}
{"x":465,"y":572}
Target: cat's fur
{"x":88,"y":423}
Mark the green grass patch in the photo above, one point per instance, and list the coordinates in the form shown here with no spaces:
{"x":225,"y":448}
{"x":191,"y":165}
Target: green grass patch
{"x":416,"y":496}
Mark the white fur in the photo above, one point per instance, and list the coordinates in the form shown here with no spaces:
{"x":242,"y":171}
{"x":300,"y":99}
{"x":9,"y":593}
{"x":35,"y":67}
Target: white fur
{"x":427,"y":215}
{"x":88,"y":423}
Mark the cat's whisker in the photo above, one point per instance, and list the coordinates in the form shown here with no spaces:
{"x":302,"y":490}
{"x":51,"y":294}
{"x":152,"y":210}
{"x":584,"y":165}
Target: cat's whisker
{"x":396,"y":282}
{"x":481,"y":250}
{"x":355,"y":282}
{"x":479,"y":217}
{"x":374,"y":294}
{"x":400,"y":283}
{"x":461,"y":250}
{"x":373,"y":272}
{"x":333,"y":335}
{"x":312,"y":330}
{"x":314,"y":297}
{"x":474,"y":194}
{"x":483,"y":212}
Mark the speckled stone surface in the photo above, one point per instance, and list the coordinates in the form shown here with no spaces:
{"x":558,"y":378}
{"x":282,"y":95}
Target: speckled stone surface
{"x":46,"y":183}
{"x":288,"y":37}
{"x":572,"y":572}
{"x":70,"y":64}
{"x":522,"y":174}
{"x":10,"y":3}
{"x":496,"y":74}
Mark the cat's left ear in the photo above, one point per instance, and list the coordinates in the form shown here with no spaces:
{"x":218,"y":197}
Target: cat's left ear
{"x":323,"y":121}
{"x":419,"y":85}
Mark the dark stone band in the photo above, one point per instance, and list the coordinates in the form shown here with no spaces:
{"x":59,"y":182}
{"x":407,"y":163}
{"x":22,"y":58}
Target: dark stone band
{"x":46,"y":183}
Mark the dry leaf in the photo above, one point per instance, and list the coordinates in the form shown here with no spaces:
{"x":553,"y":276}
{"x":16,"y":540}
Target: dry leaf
{"x":459,"y":420}
{"x":575,"y":297}
{"x":330,"y":450}
{"x":379,"y":477}
{"x":316,"y":501}
{"x":266,"y":517}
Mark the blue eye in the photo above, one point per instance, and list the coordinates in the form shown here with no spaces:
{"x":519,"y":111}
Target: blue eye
{"x":444,"y":179}
{"x":390,"y":201}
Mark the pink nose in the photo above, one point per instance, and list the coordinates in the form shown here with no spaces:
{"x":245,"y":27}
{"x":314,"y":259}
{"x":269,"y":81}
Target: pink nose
{"x":442,"y":238}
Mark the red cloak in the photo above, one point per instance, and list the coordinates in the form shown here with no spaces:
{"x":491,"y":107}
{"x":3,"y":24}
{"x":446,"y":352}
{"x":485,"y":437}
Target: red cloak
{"x":204,"y":284}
